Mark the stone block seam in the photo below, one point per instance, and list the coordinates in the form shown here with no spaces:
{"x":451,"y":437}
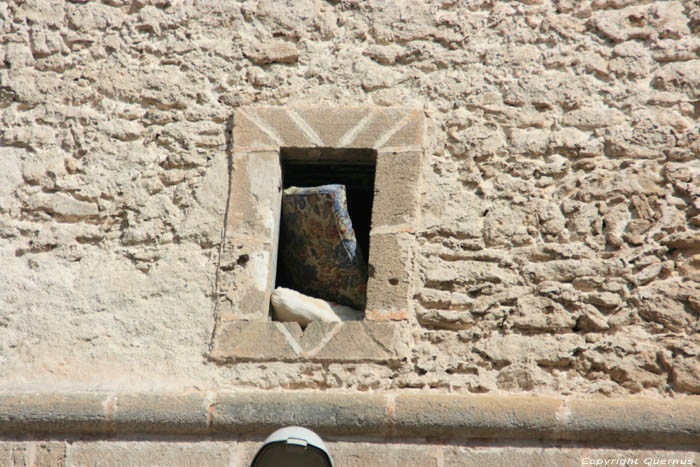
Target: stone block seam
{"x":384,"y":416}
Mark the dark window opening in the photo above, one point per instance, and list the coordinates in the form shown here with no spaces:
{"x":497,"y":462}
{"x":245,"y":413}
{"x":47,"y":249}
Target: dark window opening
{"x":353,"y":168}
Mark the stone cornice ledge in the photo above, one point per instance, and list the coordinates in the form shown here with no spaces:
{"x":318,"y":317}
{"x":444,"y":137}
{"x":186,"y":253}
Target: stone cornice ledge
{"x":383,"y":415}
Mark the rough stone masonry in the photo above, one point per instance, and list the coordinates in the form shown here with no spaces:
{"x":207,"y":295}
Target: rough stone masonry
{"x":558,"y":243}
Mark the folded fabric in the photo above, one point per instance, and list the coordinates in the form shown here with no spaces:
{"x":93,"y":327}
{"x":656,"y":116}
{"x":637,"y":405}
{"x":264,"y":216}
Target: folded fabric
{"x":319,"y":255}
{"x":290,"y":305}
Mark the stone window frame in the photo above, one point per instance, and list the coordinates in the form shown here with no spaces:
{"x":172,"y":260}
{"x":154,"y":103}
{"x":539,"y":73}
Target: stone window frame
{"x":247,"y":264}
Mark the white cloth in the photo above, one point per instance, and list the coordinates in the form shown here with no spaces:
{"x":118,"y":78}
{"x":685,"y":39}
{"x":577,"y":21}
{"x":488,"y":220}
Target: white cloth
{"x":290,"y":305}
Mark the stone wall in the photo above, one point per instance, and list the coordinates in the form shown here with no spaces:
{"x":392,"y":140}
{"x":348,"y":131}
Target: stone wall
{"x":558,"y":248}
{"x":346,"y":454}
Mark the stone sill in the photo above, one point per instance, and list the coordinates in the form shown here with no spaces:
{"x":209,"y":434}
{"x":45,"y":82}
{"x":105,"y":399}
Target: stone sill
{"x":346,"y":342}
{"x":334,"y":415}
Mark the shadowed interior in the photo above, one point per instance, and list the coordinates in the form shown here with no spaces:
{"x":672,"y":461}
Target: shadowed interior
{"x":354,"y":168}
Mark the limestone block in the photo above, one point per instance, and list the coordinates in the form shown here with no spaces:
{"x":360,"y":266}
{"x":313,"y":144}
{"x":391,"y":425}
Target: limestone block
{"x":315,"y":336}
{"x":257,"y":340}
{"x":35,"y":137}
{"x":630,"y":60}
{"x":637,"y":227}
{"x":675,"y":50}
{"x":334,"y":129}
{"x":605,"y":300}
{"x":94,"y":17}
{"x":46,"y":42}
{"x":685,"y":372}
{"x":390,"y":271}
{"x":595,"y":64}
{"x":551,"y":219}
{"x":62,"y":205}
{"x":323,"y":412}
{"x":245,"y":282}
{"x":250,"y":250}
{"x":508,"y":456}
{"x":467,"y":273}
{"x":445,"y":319}
{"x":351,"y":341}
{"x":592,"y":320}
{"x":683,"y":240}
{"x":365,"y":341}
{"x":364,"y":454}
{"x":572,"y":140}
{"x":409,"y":132}
{"x":124,"y":130}
{"x":590,"y":118}
{"x":689,"y":268}
{"x":291,"y":20}
{"x":528,"y":141}
{"x":568,"y":270}
{"x":50,"y":453}
{"x":383,"y":124}
{"x":522,"y":377}
{"x":10,"y":179}
{"x":619,"y":418}
{"x":68,"y":412}
{"x":664,"y":310}
{"x":13,"y":453}
{"x":249,"y":134}
{"x":669,"y":19}
{"x":18,"y":55}
{"x":151,"y":452}
{"x":396,"y":189}
{"x":485,"y":415}
{"x":679,"y":77}
{"x":433,"y":298}
{"x":39,"y":453}
{"x":678,"y":173}
{"x":491,"y":298}
{"x":648,"y":274}
{"x":288,"y":128}
{"x":484,"y":140}
{"x":375,"y":76}
{"x":144,"y":413}
{"x":550,"y":351}
{"x":254,"y":202}
{"x":383,"y":54}
{"x":621,"y":25}
{"x":503,"y":225}
{"x":542,"y":314}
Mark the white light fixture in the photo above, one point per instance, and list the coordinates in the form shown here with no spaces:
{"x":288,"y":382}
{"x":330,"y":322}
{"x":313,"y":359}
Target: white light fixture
{"x":293,"y":446}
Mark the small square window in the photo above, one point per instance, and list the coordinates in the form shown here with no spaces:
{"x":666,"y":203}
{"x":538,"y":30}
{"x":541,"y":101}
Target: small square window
{"x":377,"y":154}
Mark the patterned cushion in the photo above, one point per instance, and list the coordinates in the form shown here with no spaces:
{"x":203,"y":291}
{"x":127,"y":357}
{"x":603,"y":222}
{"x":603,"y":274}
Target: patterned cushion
{"x":319,"y":255}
